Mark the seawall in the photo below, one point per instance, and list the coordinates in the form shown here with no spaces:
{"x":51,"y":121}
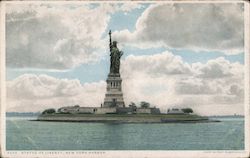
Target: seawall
{"x":123,"y":118}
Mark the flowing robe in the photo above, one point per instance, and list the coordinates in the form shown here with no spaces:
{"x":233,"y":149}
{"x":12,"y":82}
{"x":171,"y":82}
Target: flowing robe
{"x":115,"y":56}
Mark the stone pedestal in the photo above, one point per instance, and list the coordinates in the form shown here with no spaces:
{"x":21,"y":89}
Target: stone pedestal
{"x":114,"y":95}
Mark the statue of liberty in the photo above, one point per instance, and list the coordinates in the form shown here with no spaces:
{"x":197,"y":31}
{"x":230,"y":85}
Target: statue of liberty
{"x":115,"y":56}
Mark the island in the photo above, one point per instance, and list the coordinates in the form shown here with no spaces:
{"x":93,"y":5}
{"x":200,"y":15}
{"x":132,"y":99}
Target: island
{"x":113,"y":109}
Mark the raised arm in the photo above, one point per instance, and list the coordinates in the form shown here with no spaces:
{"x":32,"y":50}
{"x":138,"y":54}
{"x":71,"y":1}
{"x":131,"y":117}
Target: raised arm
{"x":110,"y":40}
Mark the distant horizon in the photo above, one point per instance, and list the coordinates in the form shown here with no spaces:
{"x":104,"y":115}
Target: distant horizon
{"x":41,"y":112}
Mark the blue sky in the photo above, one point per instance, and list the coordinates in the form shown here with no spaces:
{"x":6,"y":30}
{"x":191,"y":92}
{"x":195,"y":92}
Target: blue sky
{"x":93,"y":72}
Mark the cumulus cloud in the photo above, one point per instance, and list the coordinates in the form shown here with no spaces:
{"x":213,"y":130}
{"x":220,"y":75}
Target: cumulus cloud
{"x":163,"y":63}
{"x":218,"y":68}
{"x":46,"y":37}
{"x":193,"y":86}
{"x":57,"y":36}
{"x":162,"y":79}
{"x":37,"y":92}
{"x":217,"y":27}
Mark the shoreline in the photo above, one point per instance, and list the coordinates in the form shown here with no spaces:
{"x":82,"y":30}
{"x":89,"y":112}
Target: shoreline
{"x":121,"y":122}
{"x":124,"y":118}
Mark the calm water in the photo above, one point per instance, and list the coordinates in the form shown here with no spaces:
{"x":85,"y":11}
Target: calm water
{"x":32,"y":135}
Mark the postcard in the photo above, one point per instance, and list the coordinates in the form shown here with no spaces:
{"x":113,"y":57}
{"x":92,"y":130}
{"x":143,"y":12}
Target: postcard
{"x":124,"y":79}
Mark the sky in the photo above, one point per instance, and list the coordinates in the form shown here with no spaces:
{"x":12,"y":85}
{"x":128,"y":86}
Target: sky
{"x":174,"y":56}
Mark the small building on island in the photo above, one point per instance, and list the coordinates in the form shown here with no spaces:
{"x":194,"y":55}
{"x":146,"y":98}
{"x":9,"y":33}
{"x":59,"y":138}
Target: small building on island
{"x":107,"y":110}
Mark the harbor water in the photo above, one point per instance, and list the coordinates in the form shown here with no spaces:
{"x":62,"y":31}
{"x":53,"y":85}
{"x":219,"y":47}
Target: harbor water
{"x":23,"y":134}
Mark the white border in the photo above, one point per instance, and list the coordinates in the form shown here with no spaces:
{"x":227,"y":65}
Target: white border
{"x":247,"y":73}
{"x":123,"y":153}
{"x":2,"y":77}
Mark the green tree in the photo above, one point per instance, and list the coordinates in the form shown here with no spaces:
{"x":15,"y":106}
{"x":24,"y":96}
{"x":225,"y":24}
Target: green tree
{"x":49,"y":111}
{"x":132,"y":105}
{"x":144,"y":104}
{"x":187,"y":110}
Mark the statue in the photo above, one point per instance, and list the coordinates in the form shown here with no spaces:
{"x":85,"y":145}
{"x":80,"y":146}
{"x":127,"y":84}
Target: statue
{"x":115,"y":56}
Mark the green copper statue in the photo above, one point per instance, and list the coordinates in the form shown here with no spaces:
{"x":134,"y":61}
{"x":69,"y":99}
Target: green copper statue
{"x":115,"y":56}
